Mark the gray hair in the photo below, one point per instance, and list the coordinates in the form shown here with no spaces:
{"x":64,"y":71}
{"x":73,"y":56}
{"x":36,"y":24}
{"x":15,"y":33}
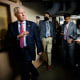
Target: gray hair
{"x":15,"y":9}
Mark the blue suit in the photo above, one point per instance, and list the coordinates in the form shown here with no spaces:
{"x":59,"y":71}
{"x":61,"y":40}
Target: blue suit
{"x":69,"y":48}
{"x":42,"y":27}
{"x":23,"y":55}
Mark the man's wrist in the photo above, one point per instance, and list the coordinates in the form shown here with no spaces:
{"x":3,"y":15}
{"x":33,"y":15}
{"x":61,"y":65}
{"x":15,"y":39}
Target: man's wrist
{"x":18,"y":37}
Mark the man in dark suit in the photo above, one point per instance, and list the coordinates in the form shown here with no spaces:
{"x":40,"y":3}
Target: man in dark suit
{"x":47,"y":35}
{"x":21,"y":37}
{"x":69,"y":35}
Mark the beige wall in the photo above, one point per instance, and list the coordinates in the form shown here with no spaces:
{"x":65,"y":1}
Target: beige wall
{"x":11,"y":5}
{"x":33,"y":9}
{"x":6,"y":15}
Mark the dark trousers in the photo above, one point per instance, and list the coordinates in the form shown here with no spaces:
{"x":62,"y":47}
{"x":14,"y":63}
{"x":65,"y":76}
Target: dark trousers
{"x":68,"y":53}
{"x":77,"y":54}
{"x":22,"y":64}
{"x":29,"y":71}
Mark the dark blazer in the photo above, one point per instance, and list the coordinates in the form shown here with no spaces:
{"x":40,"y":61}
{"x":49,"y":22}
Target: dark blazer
{"x":42,"y":26}
{"x":14,"y":44}
{"x":72,"y":31}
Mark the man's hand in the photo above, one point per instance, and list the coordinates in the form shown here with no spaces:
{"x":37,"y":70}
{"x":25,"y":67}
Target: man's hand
{"x":69,"y":41}
{"x":77,"y":41}
{"x":54,"y":41}
{"x":40,"y":53}
{"x":25,"y":33}
{"x":62,"y":33}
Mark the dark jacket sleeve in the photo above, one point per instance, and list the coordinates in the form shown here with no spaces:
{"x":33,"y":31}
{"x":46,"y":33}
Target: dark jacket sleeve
{"x":11,"y":38}
{"x":37,"y":39}
{"x":75,"y":32}
{"x":54,"y":31}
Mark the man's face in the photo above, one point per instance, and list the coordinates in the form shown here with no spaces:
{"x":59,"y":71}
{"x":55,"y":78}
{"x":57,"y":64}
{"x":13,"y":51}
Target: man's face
{"x":67,"y":19}
{"x":46,"y":15}
{"x":79,"y":26}
{"x":20,"y":14}
{"x":37,"y":19}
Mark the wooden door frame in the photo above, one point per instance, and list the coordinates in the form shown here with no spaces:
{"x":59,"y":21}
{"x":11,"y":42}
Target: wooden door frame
{"x":8,"y":11}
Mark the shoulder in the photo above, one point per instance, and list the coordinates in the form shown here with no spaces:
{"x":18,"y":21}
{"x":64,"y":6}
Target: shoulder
{"x":51,"y":22}
{"x":30,"y":22}
{"x":41,"y":21}
{"x":12,"y":23}
{"x":72,"y":23}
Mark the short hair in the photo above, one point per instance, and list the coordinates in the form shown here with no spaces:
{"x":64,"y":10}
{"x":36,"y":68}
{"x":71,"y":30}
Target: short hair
{"x":37,"y":17}
{"x":15,"y":9}
{"x":67,"y":15}
{"x":47,"y":13}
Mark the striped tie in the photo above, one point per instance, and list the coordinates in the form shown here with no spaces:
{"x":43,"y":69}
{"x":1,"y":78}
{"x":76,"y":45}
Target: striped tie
{"x":22,"y":38}
{"x":65,"y":36}
{"x":47,"y":28}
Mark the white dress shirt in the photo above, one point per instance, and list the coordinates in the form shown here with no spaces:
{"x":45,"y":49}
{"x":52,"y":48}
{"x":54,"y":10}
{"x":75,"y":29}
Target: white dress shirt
{"x":24,"y":26}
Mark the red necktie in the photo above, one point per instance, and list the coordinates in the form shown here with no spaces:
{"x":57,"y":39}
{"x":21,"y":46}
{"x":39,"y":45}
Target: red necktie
{"x":65,"y":36}
{"x":22,"y":38}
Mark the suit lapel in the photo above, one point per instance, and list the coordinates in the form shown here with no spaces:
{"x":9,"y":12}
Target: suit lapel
{"x":69,"y":27}
{"x":44,"y":26}
{"x":16,"y":27}
{"x":64,"y":26}
{"x":50,"y":26}
{"x":28,"y":26}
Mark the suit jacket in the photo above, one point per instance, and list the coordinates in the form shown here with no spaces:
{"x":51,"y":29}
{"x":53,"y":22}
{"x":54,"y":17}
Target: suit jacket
{"x":42,"y":26}
{"x":13,"y":43}
{"x":72,"y":31}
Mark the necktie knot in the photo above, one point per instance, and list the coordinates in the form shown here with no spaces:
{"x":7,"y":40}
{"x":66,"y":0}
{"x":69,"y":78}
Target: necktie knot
{"x":21,"y":23}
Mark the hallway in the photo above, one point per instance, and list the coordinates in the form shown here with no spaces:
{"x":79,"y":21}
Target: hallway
{"x":57,"y":73}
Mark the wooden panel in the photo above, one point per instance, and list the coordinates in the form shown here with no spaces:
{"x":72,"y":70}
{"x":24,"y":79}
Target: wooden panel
{"x":5,"y":18}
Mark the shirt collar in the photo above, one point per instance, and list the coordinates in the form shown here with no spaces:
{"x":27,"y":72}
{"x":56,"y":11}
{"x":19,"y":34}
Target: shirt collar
{"x":47,"y":21}
{"x":22,"y":22}
{"x":68,"y":23}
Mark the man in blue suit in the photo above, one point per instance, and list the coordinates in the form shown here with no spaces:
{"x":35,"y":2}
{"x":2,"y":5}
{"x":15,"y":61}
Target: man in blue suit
{"x":47,"y":35}
{"x":21,"y":37}
{"x":69,"y":35}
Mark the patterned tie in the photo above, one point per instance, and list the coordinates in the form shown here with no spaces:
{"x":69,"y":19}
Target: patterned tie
{"x":65,"y":36}
{"x":22,"y":38}
{"x":47,"y":28}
